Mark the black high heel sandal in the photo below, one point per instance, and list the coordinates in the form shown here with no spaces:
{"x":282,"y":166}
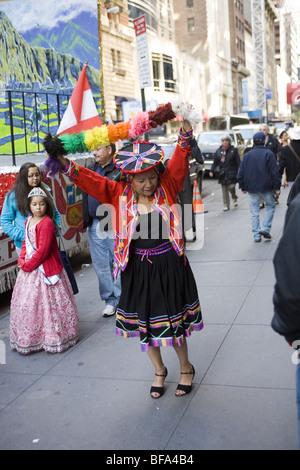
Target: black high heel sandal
{"x":185,"y":388}
{"x":160,"y":390}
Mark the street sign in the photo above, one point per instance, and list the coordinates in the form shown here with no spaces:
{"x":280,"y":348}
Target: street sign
{"x":131,"y":108}
{"x":142,"y":52}
{"x":268,"y":93}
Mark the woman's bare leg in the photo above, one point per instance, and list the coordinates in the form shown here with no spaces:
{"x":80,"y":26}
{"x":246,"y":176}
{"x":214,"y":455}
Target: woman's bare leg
{"x":185,"y":365}
{"x":156,"y":359}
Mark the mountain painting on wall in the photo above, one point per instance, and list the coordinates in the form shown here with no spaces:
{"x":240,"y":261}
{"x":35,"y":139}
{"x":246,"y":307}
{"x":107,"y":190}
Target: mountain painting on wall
{"x":43,"y":47}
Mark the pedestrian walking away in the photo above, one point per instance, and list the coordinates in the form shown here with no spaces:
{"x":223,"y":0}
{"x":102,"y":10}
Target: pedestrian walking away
{"x":43,"y":311}
{"x":14,"y":211}
{"x":225,"y":167}
{"x":159,"y":300}
{"x":97,"y":219}
{"x":273,"y":144}
{"x":286,"y":298}
{"x":259,"y":176}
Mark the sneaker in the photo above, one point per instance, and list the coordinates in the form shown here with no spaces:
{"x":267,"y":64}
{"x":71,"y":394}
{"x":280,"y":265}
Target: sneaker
{"x":109,"y":311}
{"x":265,"y":234}
{"x":257,"y":240}
{"x":235,"y":203}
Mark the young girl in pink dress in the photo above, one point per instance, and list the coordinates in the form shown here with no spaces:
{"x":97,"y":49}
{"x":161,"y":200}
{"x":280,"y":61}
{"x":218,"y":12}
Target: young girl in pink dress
{"x":43,"y":313}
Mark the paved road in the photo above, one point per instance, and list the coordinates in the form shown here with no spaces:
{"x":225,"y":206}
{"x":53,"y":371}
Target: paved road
{"x":96,"y":395}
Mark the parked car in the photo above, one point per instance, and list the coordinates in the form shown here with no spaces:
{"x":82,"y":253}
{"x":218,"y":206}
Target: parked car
{"x":210,"y":141}
{"x":247,"y":132}
{"x":168,"y":145}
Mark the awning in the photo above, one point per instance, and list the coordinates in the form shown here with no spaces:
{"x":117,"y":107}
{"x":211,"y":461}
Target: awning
{"x":121,"y":99}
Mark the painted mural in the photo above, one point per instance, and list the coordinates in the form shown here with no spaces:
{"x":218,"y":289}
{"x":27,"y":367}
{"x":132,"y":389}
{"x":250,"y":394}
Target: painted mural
{"x":43,"y":47}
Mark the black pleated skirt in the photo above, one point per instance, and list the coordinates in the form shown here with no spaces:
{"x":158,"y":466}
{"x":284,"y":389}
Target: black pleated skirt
{"x":159,"y":301}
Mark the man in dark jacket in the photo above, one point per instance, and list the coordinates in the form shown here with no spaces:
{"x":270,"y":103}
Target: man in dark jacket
{"x":259,"y":176}
{"x":97,"y":219}
{"x":271,"y":141}
{"x":286,"y":298}
{"x":273,"y":144}
{"x":186,"y":195}
{"x":225,"y":167}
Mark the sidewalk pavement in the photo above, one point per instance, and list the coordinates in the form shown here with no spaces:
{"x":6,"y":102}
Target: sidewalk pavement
{"x":96,"y":395}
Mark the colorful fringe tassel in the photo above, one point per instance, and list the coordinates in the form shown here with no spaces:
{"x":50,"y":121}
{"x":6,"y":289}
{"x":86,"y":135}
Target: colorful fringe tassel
{"x":87,"y":141}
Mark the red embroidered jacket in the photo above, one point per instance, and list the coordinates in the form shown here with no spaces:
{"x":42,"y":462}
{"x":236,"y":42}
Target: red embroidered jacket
{"x":121,"y":200}
{"x":47,"y":252}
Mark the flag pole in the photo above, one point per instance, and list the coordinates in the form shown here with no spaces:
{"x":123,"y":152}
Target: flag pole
{"x":99,"y":5}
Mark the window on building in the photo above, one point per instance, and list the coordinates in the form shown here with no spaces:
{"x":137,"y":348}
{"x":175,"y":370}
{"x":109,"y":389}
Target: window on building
{"x":116,"y":59}
{"x":113,"y":57}
{"x":168,"y":73}
{"x":190,"y":3}
{"x":119,"y":59}
{"x":156,"y":70}
{"x":191,"y":25}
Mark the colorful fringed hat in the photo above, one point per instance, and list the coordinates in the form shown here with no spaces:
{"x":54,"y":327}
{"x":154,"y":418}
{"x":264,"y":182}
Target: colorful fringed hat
{"x":138,"y":157}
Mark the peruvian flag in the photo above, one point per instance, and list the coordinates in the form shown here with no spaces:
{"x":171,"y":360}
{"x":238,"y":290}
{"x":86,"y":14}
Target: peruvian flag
{"x":81,"y":113}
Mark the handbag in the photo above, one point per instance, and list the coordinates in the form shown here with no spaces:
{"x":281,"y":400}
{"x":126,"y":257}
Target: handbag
{"x":220,"y":171}
{"x":68,"y":267}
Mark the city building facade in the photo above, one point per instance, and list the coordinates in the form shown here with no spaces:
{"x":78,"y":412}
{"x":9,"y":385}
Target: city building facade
{"x":238,"y":44}
{"x":206,"y":37}
{"x":221,"y":59}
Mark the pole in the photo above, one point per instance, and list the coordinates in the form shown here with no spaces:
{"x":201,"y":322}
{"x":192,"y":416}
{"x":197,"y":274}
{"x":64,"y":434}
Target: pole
{"x":99,"y":4}
{"x":11,"y":129}
{"x":144,"y":109}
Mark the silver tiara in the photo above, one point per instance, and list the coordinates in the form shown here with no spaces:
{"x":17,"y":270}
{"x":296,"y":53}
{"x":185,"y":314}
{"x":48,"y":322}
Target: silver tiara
{"x":37,"y":192}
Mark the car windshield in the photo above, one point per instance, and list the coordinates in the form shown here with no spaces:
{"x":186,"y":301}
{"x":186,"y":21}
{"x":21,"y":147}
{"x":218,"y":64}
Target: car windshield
{"x":247,"y":133}
{"x":168,"y":150}
{"x":211,"y":138}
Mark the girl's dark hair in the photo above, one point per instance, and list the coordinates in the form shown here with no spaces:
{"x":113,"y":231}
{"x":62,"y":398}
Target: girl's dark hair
{"x":50,"y":211}
{"x":22,"y":188}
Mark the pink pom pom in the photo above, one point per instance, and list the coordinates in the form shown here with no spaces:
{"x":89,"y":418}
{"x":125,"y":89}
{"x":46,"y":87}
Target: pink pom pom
{"x":139,"y":124}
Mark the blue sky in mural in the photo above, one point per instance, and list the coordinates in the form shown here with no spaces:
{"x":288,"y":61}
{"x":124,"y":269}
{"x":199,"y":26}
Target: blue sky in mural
{"x":68,"y":26}
{"x":34,"y":13}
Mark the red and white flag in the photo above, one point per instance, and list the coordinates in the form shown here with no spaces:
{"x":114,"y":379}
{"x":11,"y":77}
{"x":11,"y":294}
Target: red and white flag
{"x":81,"y":113}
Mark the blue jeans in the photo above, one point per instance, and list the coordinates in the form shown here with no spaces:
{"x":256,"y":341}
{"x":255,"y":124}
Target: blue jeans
{"x":254,"y":200}
{"x":102,"y":254}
